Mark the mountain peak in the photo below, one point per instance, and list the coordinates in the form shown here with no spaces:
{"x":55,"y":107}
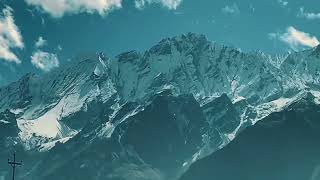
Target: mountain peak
{"x":128,"y":56}
{"x":195,"y":37}
{"x":181,"y":43}
{"x":192,"y":38}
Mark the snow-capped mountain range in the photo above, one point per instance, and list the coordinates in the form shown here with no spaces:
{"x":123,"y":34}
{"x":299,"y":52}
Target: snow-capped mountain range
{"x":94,"y":97}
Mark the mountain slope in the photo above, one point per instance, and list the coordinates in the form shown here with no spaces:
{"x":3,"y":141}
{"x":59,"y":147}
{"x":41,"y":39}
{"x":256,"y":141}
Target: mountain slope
{"x":150,"y":141}
{"x":282,"y":146}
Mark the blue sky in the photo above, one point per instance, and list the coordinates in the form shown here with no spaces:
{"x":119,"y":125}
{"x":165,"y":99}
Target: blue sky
{"x":41,"y":35}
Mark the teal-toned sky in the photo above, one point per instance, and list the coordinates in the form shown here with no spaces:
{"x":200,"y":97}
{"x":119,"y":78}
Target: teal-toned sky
{"x":40,"y":35}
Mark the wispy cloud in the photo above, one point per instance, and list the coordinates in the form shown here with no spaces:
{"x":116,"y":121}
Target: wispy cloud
{"x":10,"y":36}
{"x":295,"y":39}
{"x":308,"y":15}
{"x":232,"y":10}
{"x":40,"y":42}
{"x":58,"y":8}
{"x":252,"y":8}
{"x":316,"y":173}
{"x":44,"y":60}
{"x":170,"y":4}
{"x":59,"y":47}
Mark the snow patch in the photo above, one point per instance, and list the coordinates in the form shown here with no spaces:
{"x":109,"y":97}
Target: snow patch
{"x":46,"y":126}
{"x":184,"y":164}
{"x":231,"y":136}
{"x":17,"y":111}
{"x":237,"y":99}
{"x":209,"y":99}
{"x":281,"y":102}
{"x":316,"y":95}
{"x":196,"y":156}
{"x":47,"y":146}
{"x":5,"y":122}
{"x":106,"y":130}
{"x":266,"y":109}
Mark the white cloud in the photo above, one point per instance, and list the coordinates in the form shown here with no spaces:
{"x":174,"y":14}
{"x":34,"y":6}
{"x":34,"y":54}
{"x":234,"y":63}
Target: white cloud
{"x":295,"y":38}
{"x":40,"y":42}
{"x":10,"y":36}
{"x":44,"y":60}
{"x":170,"y":4}
{"x":308,"y":15}
{"x":58,"y":8}
{"x":233,"y":9}
{"x":283,"y":3}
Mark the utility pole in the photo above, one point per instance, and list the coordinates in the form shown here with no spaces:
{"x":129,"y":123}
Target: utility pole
{"x":14,"y":164}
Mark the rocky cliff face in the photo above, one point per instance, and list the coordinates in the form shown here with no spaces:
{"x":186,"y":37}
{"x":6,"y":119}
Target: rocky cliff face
{"x":152,"y":113}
